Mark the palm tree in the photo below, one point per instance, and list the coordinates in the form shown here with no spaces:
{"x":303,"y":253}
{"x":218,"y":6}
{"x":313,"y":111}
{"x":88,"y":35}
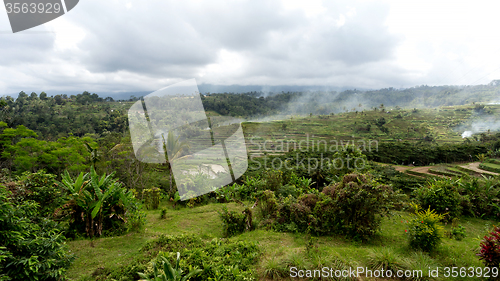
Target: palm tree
{"x":174,"y":147}
{"x":94,"y":155}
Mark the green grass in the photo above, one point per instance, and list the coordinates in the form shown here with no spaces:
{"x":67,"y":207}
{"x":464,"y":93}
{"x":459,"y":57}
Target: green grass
{"x":490,"y":167}
{"x":280,"y":250}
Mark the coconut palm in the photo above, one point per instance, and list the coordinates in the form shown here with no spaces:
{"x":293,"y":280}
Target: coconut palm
{"x":174,"y":147}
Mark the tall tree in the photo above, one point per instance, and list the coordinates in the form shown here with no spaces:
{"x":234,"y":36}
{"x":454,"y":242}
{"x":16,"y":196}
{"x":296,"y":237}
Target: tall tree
{"x":174,"y":147}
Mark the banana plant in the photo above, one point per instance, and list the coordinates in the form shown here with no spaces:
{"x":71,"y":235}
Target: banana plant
{"x":170,"y":273}
{"x":94,"y":198}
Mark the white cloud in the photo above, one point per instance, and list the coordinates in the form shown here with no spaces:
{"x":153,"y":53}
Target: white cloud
{"x":133,"y":45}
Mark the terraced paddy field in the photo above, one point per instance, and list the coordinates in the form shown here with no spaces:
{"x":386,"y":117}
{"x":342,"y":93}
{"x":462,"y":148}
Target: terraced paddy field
{"x":442,"y":125}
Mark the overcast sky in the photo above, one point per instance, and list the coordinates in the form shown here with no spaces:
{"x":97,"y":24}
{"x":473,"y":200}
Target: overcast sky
{"x":136,"y":45}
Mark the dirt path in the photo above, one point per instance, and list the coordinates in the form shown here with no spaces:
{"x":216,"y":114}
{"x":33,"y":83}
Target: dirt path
{"x":425,"y":170}
{"x":402,"y":169}
{"x":475,"y":167}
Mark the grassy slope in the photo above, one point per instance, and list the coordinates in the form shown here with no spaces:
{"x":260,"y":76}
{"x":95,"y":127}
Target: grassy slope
{"x":204,"y":221}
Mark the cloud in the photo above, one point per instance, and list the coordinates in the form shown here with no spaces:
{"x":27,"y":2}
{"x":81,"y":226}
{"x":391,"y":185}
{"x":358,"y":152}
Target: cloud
{"x":133,"y":45}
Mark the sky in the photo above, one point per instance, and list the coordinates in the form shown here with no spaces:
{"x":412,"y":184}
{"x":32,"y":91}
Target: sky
{"x":141,"y":45}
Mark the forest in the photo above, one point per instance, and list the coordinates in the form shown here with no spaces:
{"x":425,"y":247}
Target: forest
{"x":76,"y":203}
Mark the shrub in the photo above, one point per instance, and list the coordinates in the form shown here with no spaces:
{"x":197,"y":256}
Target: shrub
{"x":458,"y":232}
{"x":288,"y":189}
{"x":481,"y":197}
{"x":442,"y":196}
{"x":301,"y":212}
{"x":30,"y":248}
{"x":490,"y":248}
{"x":274,"y":179}
{"x":424,"y":229}
{"x":354,"y":206}
{"x":163,"y":213}
{"x":43,"y":189}
{"x":268,"y":205}
{"x":234,"y":222}
{"x":151,"y":198}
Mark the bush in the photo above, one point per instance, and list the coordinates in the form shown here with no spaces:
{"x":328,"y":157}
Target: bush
{"x":482,"y":197}
{"x":424,"y":229}
{"x":31,"y":248}
{"x":274,"y":179}
{"x":151,"y":198}
{"x":354,"y":206}
{"x":43,"y":189}
{"x":268,"y":205}
{"x":234,"y":222}
{"x":490,"y":249}
{"x":442,"y":196}
{"x":458,"y":232}
{"x":163,"y":213}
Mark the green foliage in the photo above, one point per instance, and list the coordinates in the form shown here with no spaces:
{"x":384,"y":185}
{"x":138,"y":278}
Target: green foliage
{"x":235,"y":223}
{"x":274,"y":269}
{"x":481,"y":157}
{"x":490,"y":167}
{"x":489,"y":251}
{"x":58,"y":116}
{"x":163,"y":213}
{"x":357,"y":205}
{"x":219,"y":259}
{"x":267,"y":205}
{"x":425,"y":230}
{"x":98,"y":204}
{"x":480,"y":196}
{"x":23,"y":151}
{"x":442,"y":196}
{"x":274,"y":179}
{"x":458,"y":232}
{"x":424,"y":153}
{"x":151,"y":198}
{"x":386,"y":259}
{"x":353,"y":207}
{"x":31,"y":248}
{"x":170,"y":273}
{"x":388,"y":175}
{"x":42,"y":188}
